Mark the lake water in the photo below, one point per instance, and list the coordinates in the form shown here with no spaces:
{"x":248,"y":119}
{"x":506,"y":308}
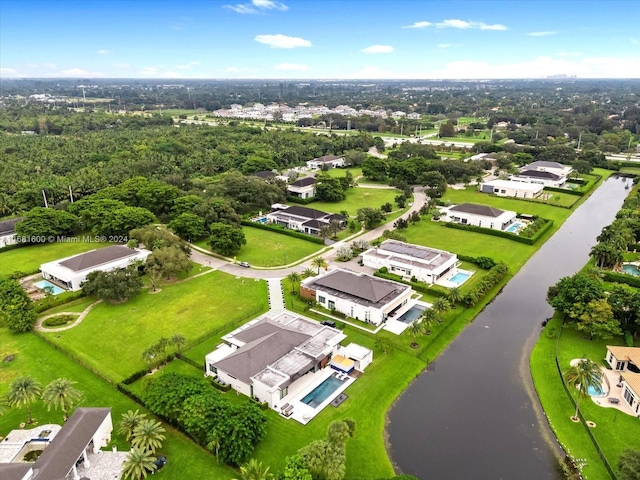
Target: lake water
{"x":473,"y":413}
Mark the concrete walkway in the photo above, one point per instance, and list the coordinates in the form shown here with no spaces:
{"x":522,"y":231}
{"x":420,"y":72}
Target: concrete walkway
{"x":81,"y":317}
{"x":276,"y":296}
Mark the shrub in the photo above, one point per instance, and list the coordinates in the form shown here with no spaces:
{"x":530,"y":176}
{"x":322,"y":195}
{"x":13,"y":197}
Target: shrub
{"x":490,"y":280}
{"x":383,"y":270}
{"x":615,"y":277}
{"x":283,"y":231}
{"x":628,"y":339}
{"x":59,"y":320}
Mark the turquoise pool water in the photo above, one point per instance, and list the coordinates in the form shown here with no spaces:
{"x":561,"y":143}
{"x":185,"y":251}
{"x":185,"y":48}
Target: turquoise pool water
{"x":595,"y":391}
{"x":631,"y":270}
{"x":323,"y":391}
{"x":514,"y":227}
{"x":459,"y":278}
{"x":411,"y":314}
{"x":44,"y":283}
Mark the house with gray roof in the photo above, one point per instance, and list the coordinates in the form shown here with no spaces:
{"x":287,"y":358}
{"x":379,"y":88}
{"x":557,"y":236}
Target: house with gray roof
{"x":549,"y":174}
{"x":270,"y":357}
{"x":8,"y":231}
{"x":303,"y":219}
{"x":478,"y":215}
{"x":71,"y":272}
{"x":357,"y":295}
{"x":303,"y":188}
{"x":326,"y":161}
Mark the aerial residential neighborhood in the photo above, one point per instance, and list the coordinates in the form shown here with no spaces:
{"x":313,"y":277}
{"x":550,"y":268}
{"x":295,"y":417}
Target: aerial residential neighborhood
{"x":277,"y":240}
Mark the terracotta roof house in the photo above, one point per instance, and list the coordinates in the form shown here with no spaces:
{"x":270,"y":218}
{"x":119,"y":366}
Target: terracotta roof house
{"x":70,"y":272}
{"x":478,"y":215}
{"x":357,"y":295}
{"x":626,"y":360}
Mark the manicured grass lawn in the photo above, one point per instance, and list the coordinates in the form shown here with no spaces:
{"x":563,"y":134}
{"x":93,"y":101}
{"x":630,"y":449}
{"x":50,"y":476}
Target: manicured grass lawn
{"x":357,"y":198}
{"x":112,"y":338}
{"x":75,"y":306}
{"x":28,"y":259}
{"x":614,"y":430}
{"x":633,"y":170}
{"x":271,"y":249}
{"x":341,"y":172}
{"x":36,"y":359}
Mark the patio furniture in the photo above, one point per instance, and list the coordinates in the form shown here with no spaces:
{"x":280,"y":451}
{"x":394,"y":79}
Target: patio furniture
{"x":614,"y":400}
{"x":284,"y":407}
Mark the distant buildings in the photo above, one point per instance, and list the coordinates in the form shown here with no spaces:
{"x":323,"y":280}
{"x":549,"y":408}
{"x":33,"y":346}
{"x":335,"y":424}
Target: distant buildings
{"x":326,"y":161}
{"x":509,"y":188}
{"x":303,"y":188}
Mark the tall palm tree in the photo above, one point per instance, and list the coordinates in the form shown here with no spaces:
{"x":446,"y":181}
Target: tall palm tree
{"x":24,"y":391}
{"x":294,"y":278}
{"x":319,"y":263}
{"x":308,"y":272}
{"x":415,"y":329}
{"x":429,"y":319}
{"x":148,"y":435}
{"x":253,"y":470}
{"x":178,"y":341}
{"x":138,"y":464}
{"x":441,"y":306}
{"x":586,"y":373}
{"x":61,"y":393}
{"x":129,"y":422}
{"x":455,"y":295}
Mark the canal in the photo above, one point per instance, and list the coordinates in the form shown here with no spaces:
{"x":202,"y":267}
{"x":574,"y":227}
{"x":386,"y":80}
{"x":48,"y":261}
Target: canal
{"x":473,"y":413}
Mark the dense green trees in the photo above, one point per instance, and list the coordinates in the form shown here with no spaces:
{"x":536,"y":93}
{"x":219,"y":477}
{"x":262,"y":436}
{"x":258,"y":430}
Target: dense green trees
{"x":226,"y":239}
{"x":326,"y":459}
{"x":114,"y":287}
{"x":16,"y":306}
{"x":189,"y":226}
{"x":371,"y":217}
{"x":629,"y":465}
{"x":45,"y":222}
{"x":170,"y":261}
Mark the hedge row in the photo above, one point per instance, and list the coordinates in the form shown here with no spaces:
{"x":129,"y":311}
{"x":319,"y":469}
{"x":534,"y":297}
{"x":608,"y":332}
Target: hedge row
{"x":502,"y":233}
{"x":490,"y":280}
{"x":134,"y":377}
{"x":57,"y":300}
{"x":219,"y":386}
{"x":486,"y":263}
{"x":569,"y":191}
{"x":615,"y":277}
{"x":417,"y":286}
{"x":301,"y":201}
{"x":283,"y":231}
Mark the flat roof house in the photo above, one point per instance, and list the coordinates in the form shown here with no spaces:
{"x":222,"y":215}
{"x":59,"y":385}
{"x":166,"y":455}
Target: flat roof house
{"x":478,"y":215}
{"x":508,"y":188}
{"x":269,"y":357}
{"x":8,"y":231}
{"x":409,"y":260}
{"x":303,"y":219}
{"x":331,"y":161}
{"x":357,"y":295}
{"x":303,"y":188}
{"x":626,"y":360}
{"x":70,"y":272}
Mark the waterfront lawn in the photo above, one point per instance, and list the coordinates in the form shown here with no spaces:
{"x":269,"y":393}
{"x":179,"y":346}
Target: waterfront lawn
{"x":29,"y":258}
{"x":112,"y":338}
{"x":40,"y":361}
{"x":271,"y":249}
{"x":357,"y":198}
{"x":614,"y":430}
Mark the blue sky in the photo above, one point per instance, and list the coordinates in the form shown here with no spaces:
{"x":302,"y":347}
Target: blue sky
{"x":298,"y":39}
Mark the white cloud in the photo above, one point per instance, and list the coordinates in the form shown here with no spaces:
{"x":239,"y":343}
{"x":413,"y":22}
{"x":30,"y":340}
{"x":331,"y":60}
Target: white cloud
{"x":241,"y":8}
{"x":495,"y":26}
{"x":370,"y":72}
{"x":231,"y":69}
{"x":445,"y":45}
{"x":568,"y":54}
{"x":291,"y":66}
{"x":269,"y":5}
{"x":378,"y":49}
{"x":149,"y":71}
{"x":282,"y":41}
{"x":465,"y":25}
{"x":187,"y":65}
{"x":418,"y":25}
{"x":103,"y":52}
{"x":257,"y":6}
{"x":76,"y":72}
{"x":8,"y":72}
{"x":540,"y":34}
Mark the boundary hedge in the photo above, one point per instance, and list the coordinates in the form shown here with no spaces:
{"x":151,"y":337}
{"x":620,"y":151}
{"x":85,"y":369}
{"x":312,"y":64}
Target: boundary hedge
{"x":502,"y":233}
{"x":283,"y":231}
{"x":616,"y":277}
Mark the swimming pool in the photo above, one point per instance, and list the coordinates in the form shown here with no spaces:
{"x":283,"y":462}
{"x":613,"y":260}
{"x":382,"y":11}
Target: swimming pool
{"x":410,"y":315}
{"x":596,"y":391}
{"x":459,"y":278}
{"x":42,"y":284}
{"x":630,"y":269}
{"x":323,"y":391}
{"x":515,"y":227}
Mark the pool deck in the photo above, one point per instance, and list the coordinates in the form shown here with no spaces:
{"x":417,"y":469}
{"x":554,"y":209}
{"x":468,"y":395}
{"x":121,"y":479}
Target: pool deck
{"x":615,"y":392}
{"x":446,"y":282}
{"x":16,"y":439}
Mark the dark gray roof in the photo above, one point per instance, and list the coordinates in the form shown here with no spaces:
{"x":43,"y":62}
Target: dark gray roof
{"x":98,"y":257}
{"x":371,"y":289}
{"x":14,"y":471}
{"x":483,"y":210}
{"x":317,"y":224}
{"x":256,"y":355}
{"x":304,"y":182}
{"x":337,"y":217}
{"x":58,"y":458}
{"x":259,"y":330}
{"x":545,"y":164}
{"x":540,"y":174}
{"x":7,"y":227}
{"x":304,"y":212}
{"x":265,"y":174}
{"x":327,"y":158}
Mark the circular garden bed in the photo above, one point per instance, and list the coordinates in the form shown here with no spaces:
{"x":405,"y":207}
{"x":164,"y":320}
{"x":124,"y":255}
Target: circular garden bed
{"x":59,"y":320}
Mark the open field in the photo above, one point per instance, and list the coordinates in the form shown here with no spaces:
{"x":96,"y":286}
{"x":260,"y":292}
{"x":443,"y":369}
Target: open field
{"x":272,"y":249}
{"x":36,"y":359}
{"x":112,"y":338}
{"x":357,"y":198}
{"x":614,"y":430}
{"x":341,"y":172}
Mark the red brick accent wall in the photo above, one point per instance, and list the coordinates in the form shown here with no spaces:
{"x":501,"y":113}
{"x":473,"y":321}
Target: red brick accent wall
{"x":307,"y":293}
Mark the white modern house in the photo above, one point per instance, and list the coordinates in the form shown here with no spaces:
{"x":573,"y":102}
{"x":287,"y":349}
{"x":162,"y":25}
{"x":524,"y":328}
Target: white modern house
{"x":63,"y":449}
{"x":478,"y":215}
{"x":508,"y":188}
{"x":409,"y":260}
{"x":273,"y":356}
{"x":303,"y":188}
{"x":357,"y":295}
{"x":548,"y":174}
{"x":553,"y":167}
{"x":303,"y":219}
{"x":626,"y":360}
{"x":70,"y":272}
{"x":331,"y":161}
{"x":8,"y":231}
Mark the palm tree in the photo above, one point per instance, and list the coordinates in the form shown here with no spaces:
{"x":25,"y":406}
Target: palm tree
{"x":214,"y":444}
{"x":252,"y":470}
{"x":62,"y":393}
{"x":584,"y":374}
{"x":319,"y":263}
{"x":129,"y":422}
{"x":307,"y":272}
{"x":429,"y":319}
{"x":149,"y":355}
{"x":24,"y":391}
{"x":441,"y":306}
{"x":178,"y":341}
{"x":138,"y":464}
{"x":148,"y":435}
{"x":294,"y":278}
{"x":415,"y":329}
{"x":455,"y":295}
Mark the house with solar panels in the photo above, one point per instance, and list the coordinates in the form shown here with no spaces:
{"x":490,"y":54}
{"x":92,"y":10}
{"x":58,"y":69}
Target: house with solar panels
{"x":71,"y":272}
{"x":426,"y":264}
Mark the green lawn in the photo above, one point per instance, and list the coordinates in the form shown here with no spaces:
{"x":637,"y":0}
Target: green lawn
{"x":341,"y":172}
{"x":358,"y":198}
{"x":633,"y":170}
{"x":272,"y":249}
{"x":28,"y":259}
{"x":37,"y":359}
{"x":614,"y":430}
{"x":112,"y":338}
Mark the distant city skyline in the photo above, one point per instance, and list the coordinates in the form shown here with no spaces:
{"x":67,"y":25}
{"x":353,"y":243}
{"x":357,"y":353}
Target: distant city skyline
{"x":310,"y":39}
